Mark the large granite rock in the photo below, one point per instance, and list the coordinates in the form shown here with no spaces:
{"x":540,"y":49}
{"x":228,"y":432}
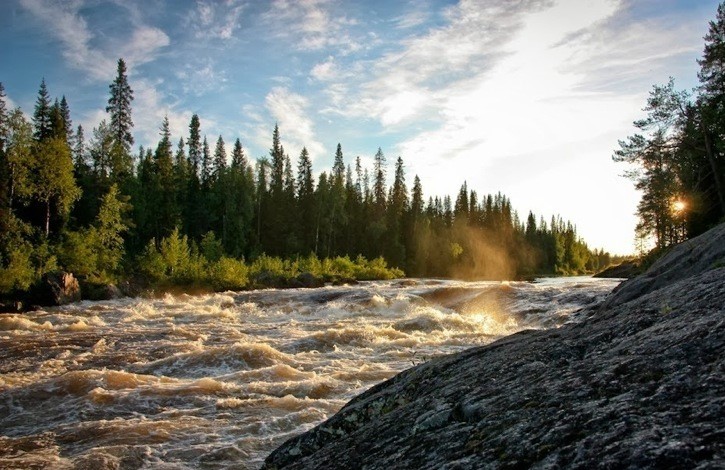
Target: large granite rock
{"x":639,"y":384}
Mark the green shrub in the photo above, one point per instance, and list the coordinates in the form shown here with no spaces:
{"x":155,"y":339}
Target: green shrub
{"x":229,"y":274}
{"x":18,"y":272}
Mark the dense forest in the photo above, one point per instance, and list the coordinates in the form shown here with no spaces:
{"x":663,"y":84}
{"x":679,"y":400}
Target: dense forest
{"x":186,"y":212}
{"x":678,"y":152}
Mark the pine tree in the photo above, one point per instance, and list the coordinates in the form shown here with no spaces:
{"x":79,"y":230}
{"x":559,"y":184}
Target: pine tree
{"x":182,"y":171}
{"x":163,"y":193}
{"x":712,"y":108}
{"x":379,"y":180}
{"x":119,"y":107}
{"x":397,"y":206}
{"x":220,"y":158}
{"x":306,"y":201}
{"x":194,"y":143}
{"x":57,"y":124}
{"x":100,"y":149}
{"x":239,"y":205}
{"x":416,"y":205}
{"x":276,"y":154}
{"x":111,"y":224}
{"x":338,"y":167}
{"x":41,"y":117}
{"x":712,"y":64}
{"x":206,"y":165}
{"x":79,"y":148}
{"x":239,"y":159}
{"x":67,"y":123}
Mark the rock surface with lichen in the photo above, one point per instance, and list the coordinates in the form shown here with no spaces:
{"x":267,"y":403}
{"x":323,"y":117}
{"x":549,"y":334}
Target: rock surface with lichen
{"x":639,"y":383}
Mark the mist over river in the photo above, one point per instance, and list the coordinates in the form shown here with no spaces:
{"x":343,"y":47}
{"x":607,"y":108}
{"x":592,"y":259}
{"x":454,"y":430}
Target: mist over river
{"x":220,"y":380}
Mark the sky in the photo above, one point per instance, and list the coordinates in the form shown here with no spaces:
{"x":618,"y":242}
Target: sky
{"x":525,"y":97}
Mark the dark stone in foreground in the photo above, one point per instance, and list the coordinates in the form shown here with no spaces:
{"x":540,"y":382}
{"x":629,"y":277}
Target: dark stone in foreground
{"x":639,"y":384}
{"x":56,"y":288}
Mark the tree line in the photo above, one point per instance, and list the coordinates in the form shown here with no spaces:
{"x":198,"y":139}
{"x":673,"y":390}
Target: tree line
{"x":92,"y":206}
{"x":678,"y":152}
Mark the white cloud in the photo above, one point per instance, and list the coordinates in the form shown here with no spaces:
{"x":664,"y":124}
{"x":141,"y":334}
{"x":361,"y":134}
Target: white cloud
{"x":290,"y":110}
{"x":144,"y":45}
{"x":418,"y":13}
{"x":202,"y":76}
{"x":325,"y":71}
{"x":65,"y":22}
{"x":310,"y":25}
{"x":216,"y":20}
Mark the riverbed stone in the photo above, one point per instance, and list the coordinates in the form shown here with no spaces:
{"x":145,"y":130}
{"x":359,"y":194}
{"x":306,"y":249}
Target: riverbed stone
{"x":639,"y":383}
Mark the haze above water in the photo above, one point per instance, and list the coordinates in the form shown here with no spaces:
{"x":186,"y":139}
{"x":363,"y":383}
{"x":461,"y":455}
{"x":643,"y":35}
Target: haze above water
{"x":218,"y":381}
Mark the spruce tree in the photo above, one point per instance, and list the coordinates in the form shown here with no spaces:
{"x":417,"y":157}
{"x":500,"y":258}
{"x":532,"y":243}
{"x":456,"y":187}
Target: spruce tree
{"x":239,"y":159}
{"x":67,"y":123}
{"x":206,"y":165}
{"x":712,"y":79}
{"x":220,"y":158}
{"x":194,"y":143}
{"x":164,"y":188}
{"x":379,"y":179}
{"x":338,"y":167}
{"x":305,"y":200}
{"x":119,"y":107}
{"x":42,"y":122}
{"x":276,"y":154}
{"x":416,"y":204}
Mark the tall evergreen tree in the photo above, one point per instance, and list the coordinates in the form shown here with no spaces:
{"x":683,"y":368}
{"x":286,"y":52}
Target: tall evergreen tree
{"x":276,"y":154}
{"x":712,"y":79}
{"x":42,"y":123}
{"x":119,"y":107}
{"x":338,"y":167}
{"x":207,"y":167}
{"x":194,"y":143}
{"x":166,"y":211}
{"x":220,"y":158}
{"x":379,"y":179}
{"x":239,"y":159}
{"x":67,"y":122}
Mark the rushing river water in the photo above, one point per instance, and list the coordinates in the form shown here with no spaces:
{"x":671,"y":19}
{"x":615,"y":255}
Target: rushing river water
{"x":218,"y":381}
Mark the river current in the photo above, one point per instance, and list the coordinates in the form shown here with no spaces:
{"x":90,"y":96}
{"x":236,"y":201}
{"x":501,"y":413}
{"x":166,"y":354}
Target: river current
{"x":219,"y":380}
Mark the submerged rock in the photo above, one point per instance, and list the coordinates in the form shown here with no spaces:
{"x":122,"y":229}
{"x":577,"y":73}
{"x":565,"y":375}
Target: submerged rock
{"x":640,"y":383}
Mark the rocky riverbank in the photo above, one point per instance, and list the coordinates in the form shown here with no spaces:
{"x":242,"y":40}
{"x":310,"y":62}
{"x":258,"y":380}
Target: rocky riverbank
{"x":639,"y":383}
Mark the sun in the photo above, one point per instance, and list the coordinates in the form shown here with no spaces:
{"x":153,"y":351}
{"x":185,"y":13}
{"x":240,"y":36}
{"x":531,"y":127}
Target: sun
{"x":679,"y":206}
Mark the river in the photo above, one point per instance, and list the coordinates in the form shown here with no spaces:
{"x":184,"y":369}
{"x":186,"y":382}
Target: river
{"x":218,"y":381}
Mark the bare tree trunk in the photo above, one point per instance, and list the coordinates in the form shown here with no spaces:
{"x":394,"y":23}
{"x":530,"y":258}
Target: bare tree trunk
{"x":47,"y":218}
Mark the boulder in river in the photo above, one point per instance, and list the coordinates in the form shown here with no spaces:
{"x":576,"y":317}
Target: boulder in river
{"x":56,"y":288}
{"x":640,"y":383}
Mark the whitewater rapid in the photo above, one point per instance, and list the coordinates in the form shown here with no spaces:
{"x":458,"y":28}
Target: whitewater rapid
{"x":220,"y":380}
